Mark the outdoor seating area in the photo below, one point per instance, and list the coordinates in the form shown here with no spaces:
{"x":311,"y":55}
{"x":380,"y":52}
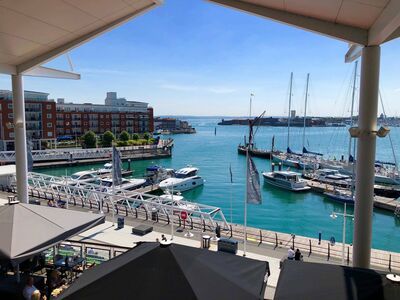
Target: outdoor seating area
{"x":54,"y":269}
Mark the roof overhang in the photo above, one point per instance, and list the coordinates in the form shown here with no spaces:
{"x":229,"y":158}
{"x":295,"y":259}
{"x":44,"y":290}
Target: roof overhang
{"x":35,"y":32}
{"x":363,"y":22}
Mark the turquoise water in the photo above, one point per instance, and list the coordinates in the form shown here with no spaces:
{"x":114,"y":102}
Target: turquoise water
{"x":302,"y":214}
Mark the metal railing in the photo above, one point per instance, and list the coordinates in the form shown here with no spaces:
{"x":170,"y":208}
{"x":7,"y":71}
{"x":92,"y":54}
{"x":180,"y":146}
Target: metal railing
{"x":124,"y":202}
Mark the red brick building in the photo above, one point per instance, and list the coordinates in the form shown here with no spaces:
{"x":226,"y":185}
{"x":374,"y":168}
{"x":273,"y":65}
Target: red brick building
{"x":46,"y":120}
{"x":40,"y":116}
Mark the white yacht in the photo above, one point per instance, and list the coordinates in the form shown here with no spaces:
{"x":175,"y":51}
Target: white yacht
{"x":184,"y":179}
{"x":127,"y":184}
{"x":107,"y":169}
{"x":330,"y":176}
{"x":286,"y":180}
{"x":177,"y":201}
{"x":82,"y":177}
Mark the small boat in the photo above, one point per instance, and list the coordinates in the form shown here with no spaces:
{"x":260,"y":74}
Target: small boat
{"x":107,"y":169}
{"x":184,"y":179}
{"x":340,"y":196}
{"x":177,"y":201}
{"x":254,"y":152}
{"x":127,"y":184}
{"x":286,"y":180}
{"x":82,"y":177}
{"x":387,"y":191}
{"x":329,"y":176}
{"x":286,"y":160}
{"x":156,"y":174}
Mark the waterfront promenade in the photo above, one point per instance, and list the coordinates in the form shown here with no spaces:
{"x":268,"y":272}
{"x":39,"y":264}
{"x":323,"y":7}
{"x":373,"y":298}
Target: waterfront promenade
{"x":277,"y":242}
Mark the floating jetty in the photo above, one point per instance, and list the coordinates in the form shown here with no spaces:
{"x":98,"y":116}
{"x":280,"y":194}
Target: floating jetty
{"x":73,"y":156}
{"x":390,"y":204}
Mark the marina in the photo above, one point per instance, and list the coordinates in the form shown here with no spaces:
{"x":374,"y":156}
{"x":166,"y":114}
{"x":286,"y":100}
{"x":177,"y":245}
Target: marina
{"x":281,"y":211}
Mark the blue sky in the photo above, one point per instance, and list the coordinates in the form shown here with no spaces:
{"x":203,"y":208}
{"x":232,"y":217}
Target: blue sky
{"x":197,"y":58}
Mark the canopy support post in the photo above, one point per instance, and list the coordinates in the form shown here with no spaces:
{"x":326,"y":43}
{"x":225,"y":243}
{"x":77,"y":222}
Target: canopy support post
{"x":365,"y":166}
{"x":20,"y":138}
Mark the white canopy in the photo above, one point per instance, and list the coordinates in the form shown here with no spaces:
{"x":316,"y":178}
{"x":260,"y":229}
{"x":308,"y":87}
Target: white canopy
{"x":363,"y":22}
{"x":33,"y":32}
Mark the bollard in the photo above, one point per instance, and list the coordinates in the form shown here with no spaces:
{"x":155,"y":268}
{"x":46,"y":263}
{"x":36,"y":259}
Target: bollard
{"x":261,"y":239}
{"x":329,"y":250}
{"x":348,"y":255}
{"x":136,"y":213}
{"x":204,"y":225}
{"x":309,"y":253}
{"x":390,"y":262}
{"x":319,"y":237}
{"x":126,"y":211}
{"x":276,"y":240}
{"x":293,"y":236}
{"x":230,"y":226}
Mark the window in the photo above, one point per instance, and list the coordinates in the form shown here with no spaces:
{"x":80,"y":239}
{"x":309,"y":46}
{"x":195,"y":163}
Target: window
{"x":12,"y":135}
{"x":49,"y":134}
{"x":101,"y":116}
{"x":11,"y":116}
{"x":10,"y":106}
{"x":67,"y":116}
{"x":101,"y":123}
{"x":49,"y":116}
{"x":48,"y":106}
{"x":49,"y":125}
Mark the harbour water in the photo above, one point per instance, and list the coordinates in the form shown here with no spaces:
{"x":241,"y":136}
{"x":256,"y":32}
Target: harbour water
{"x":304,"y":214}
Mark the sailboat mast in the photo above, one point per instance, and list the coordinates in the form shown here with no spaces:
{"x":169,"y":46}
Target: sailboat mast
{"x":305,"y":110}
{"x":352,"y":103}
{"x":290,"y":106}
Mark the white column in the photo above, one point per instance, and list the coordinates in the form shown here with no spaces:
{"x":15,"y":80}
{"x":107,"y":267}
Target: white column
{"x":20,"y":138}
{"x":365,"y":167}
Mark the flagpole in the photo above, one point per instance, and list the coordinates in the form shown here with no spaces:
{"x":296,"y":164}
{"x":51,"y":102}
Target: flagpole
{"x":113,"y":186}
{"x":245,"y":202}
{"x":230,"y":171}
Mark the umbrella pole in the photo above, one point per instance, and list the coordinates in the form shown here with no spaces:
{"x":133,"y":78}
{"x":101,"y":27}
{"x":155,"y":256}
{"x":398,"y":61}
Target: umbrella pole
{"x":17,"y":273}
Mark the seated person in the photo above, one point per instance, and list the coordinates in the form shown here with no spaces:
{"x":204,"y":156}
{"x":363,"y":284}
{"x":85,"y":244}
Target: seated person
{"x":29,"y":289}
{"x":53,"y":281}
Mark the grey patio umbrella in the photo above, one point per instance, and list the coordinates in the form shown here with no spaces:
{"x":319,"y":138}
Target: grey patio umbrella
{"x":27,"y":229}
{"x":151,"y":271}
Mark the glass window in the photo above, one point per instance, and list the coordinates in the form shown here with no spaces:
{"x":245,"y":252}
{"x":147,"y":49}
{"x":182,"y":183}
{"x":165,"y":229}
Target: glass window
{"x":11,"y":116}
{"x":49,"y":116}
{"x":49,"y":125}
{"x":10,"y":106}
{"x":48,"y":106}
{"x":49,"y":134}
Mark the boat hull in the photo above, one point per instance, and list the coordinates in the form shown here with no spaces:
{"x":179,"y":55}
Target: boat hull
{"x":182,"y":186}
{"x":284,"y":184}
{"x":340,"y":198}
{"x":255,"y":152}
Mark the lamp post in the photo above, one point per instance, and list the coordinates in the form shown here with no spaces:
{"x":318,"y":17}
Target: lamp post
{"x":345,"y":215}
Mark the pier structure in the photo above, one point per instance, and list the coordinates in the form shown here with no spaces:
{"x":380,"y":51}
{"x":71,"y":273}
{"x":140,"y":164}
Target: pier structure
{"x":44,"y":158}
{"x":90,"y":195}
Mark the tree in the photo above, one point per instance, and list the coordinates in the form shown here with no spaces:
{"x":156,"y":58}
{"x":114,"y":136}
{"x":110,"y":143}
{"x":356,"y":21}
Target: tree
{"x":124,"y":136}
{"x":108,"y":138}
{"x":89,"y":139}
{"x":135,"y":136}
{"x":146,"y":136}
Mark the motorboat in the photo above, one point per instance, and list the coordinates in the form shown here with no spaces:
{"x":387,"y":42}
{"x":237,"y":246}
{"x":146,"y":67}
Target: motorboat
{"x":82,"y":177}
{"x":287,"y":180}
{"x":286,"y":160}
{"x":127,"y":184}
{"x":107,"y":170}
{"x":184,"y":179}
{"x":156,"y":174}
{"x":329,"y":176}
{"x":340,"y":196}
{"x":177,"y":201}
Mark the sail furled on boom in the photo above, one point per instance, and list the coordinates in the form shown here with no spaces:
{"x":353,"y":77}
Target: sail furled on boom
{"x":305,"y":151}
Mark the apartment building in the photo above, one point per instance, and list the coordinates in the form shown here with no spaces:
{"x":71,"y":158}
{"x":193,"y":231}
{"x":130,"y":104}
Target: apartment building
{"x":47,"y":120}
{"x":116,"y":115}
{"x":40,"y":119}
